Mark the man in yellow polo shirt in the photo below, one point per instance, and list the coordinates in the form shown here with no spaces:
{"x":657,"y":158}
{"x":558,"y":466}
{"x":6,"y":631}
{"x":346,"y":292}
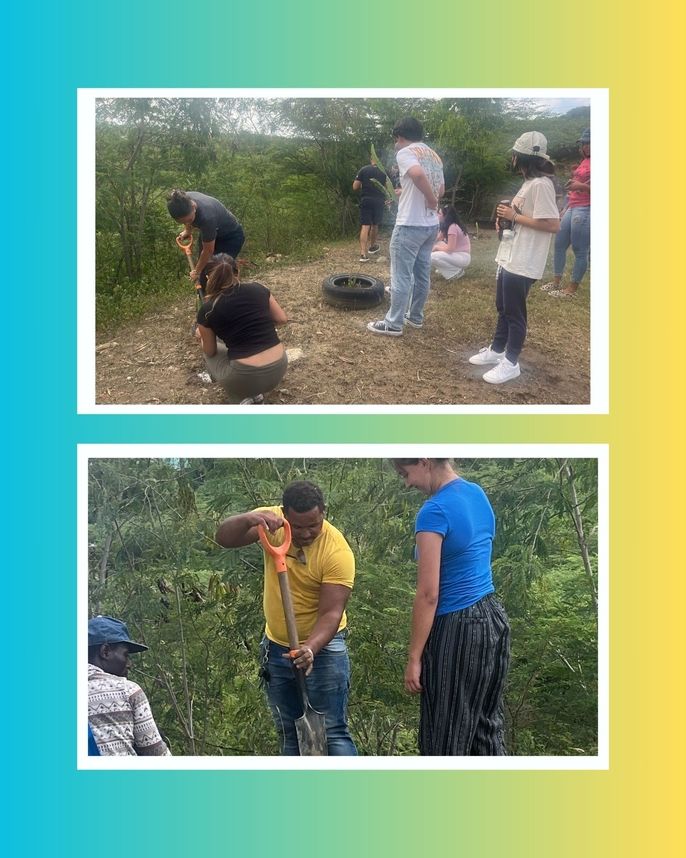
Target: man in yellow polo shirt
{"x":321,"y":572}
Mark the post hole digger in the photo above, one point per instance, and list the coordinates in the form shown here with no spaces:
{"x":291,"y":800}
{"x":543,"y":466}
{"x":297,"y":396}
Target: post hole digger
{"x":310,"y":728}
{"x":187,"y":248}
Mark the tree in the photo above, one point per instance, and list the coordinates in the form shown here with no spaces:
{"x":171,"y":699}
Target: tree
{"x":154,"y":562}
{"x":142,"y":144}
{"x":467,"y":134}
{"x":285,"y":167}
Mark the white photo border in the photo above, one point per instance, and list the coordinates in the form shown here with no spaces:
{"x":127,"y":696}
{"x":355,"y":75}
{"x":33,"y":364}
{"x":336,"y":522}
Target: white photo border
{"x":600,"y":452}
{"x":600,"y":236}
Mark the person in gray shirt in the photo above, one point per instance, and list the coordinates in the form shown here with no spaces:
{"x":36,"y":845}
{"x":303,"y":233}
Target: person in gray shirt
{"x":220,"y":230}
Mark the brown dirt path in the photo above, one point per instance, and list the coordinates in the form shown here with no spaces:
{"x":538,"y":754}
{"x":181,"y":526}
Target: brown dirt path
{"x":155,"y":360}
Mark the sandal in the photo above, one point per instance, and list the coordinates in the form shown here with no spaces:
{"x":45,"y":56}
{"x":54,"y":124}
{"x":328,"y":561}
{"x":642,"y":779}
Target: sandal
{"x":550,"y":287}
{"x":561,"y":293}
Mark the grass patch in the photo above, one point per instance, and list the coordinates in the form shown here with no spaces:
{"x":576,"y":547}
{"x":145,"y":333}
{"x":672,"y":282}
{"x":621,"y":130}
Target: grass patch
{"x":129,"y":301}
{"x":126,"y":301}
{"x":557,"y":324}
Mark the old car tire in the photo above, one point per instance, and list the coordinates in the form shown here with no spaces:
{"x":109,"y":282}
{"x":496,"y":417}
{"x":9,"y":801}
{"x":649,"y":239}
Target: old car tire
{"x":367,"y":291}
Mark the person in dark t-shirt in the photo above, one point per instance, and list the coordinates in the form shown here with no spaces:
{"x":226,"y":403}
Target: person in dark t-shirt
{"x":220,"y":231}
{"x":236,"y":327}
{"x":372,"y":200}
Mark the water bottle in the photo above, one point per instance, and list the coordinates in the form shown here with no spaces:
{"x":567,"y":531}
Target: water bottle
{"x":505,"y":226}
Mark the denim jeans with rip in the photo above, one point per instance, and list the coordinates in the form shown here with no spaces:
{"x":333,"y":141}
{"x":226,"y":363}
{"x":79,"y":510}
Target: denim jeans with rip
{"x":327,"y":688}
{"x":575,"y":229}
{"x":410,"y":251}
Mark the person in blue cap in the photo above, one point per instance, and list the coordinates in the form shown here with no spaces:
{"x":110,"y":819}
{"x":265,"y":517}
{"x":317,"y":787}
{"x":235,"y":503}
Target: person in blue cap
{"x":119,"y":714}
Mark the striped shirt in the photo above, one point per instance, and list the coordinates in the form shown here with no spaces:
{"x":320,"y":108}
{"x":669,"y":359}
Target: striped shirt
{"x":120,"y":717}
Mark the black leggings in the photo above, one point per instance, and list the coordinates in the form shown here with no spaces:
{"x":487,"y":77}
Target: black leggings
{"x":511,"y":291}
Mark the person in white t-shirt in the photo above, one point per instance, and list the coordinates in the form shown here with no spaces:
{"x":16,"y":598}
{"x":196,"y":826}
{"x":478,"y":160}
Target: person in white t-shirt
{"x":522,"y":254}
{"x":416,"y":228}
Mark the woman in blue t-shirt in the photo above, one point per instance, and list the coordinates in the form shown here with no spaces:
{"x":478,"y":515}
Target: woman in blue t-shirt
{"x":237,"y":329}
{"x":460,"y":639}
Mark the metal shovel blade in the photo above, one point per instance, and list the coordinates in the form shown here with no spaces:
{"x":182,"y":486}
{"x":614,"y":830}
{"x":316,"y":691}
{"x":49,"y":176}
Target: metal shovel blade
{"x":310,"y":729}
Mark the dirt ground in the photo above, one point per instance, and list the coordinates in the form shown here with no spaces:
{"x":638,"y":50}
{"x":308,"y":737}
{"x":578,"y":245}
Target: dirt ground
{"x":156,"y":360}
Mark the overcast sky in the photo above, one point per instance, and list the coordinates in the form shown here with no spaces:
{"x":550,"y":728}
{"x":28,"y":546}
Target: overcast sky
{"x":562,"y":105}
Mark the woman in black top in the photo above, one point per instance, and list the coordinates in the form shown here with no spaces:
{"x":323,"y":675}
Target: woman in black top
{"x":236,"y":326}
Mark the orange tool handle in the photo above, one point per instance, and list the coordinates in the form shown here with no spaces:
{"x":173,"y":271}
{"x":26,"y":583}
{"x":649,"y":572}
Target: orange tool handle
{"x":278,"y":552}
{"x":187,"y":246}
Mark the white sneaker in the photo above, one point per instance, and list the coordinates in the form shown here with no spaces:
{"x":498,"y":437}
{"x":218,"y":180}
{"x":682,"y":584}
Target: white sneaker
{"x":502,"y":372}
{"x":486,"y":356}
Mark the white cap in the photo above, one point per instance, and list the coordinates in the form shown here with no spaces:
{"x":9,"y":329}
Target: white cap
{"x":532,"y":143}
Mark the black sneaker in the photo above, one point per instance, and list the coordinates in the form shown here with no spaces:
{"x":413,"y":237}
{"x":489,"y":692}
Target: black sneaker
{"x":382,"y":328}
{"x":375,"y":248}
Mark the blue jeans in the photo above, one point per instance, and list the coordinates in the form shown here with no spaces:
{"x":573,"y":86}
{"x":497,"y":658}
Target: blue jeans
{"x":411,"y":266}
{"x":575,"y":229}
{"x":327,"y":687}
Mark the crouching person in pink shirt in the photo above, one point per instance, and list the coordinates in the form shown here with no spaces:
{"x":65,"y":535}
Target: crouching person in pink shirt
{"x":451,"y":254}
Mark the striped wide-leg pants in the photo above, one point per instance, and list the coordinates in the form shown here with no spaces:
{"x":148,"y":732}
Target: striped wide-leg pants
{"x":464,"y":666}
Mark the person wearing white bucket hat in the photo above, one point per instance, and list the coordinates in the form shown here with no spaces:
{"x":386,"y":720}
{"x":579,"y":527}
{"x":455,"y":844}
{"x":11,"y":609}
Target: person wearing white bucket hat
{"x":522,"y":254}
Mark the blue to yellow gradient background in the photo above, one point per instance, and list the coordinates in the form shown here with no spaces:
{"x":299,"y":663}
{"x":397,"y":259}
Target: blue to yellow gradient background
{"x":636,"y":808}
